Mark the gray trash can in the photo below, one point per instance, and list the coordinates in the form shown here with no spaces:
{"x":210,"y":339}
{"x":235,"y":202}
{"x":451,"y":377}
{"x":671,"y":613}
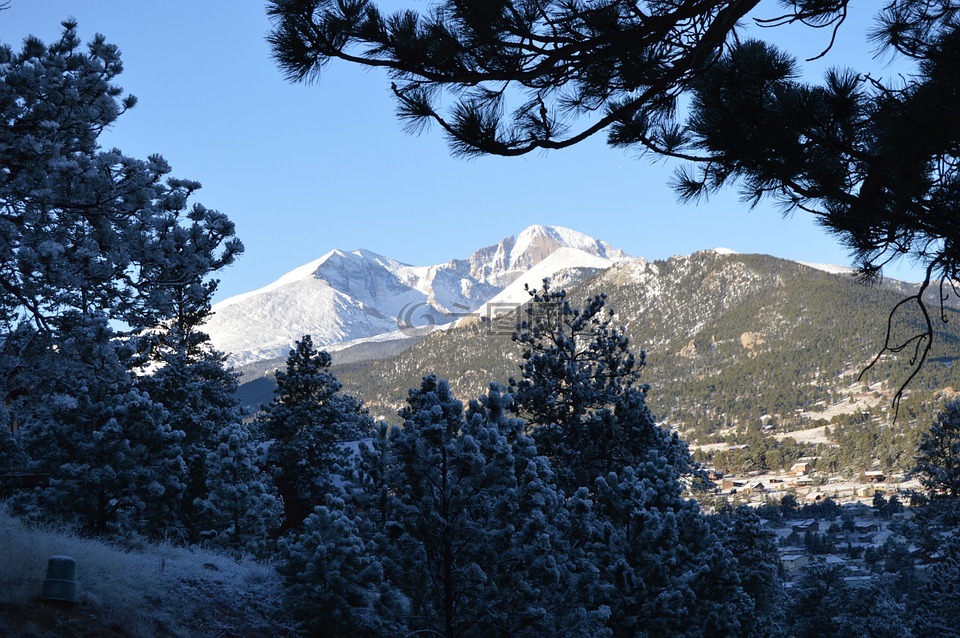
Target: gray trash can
{"x":61,"y":581}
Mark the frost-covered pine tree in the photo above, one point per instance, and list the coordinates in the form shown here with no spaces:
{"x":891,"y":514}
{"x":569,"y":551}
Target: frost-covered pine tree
{"x":429,"y":520}
{"x":472,"y":536}
{"x":84,"y":228}
{"x":937,"y":601}
{"x":335,"y":579}
{"x":660,"y":567}
{"x":938,"y":454}
{"x":754,"y":547}
{"x":822,"y":604}
{"x":114,"y":462}
{"x":181,"y":370}
{"x":199,"y":394}
{"x":13,"y":384}
{"x":239,"y":507}
{"x":580,"y":390}
{"x":535,"y":567}
{"x":89,"y":235}
{"x":452,"y":527}
{"x":308,"y":425}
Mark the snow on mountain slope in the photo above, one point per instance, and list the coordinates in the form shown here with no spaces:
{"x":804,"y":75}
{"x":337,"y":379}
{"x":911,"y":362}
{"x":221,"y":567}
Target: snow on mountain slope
{"x":833,"y":269}
{"x":345,"y":296}
{"x":503,"y":263}
{"x":264,"y":326}
{"x":559,"y":266}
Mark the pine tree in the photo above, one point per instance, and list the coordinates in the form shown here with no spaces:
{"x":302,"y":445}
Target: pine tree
{"x":663,"y":570}
{"x":238,"y":508}
{"x":528,"y":561}
{"x":938,"y":599}
{"x":199,"y":395}
{"x":938,"y":454}
{"x":89,"y":236}
{"x":180,"y":369}
{"x":335,"y":578}
{"x":754,"y":547}
{"x":453,"y":527}
{"x":478,"y":526}
{"x":434,"y":472}
{"x":114,"y":462}
{"x":580,"y":391}
{"x":660,"y":567}
{"x":84,"y":228}
{"x":823,"y":605}
{"x":308,"y":424}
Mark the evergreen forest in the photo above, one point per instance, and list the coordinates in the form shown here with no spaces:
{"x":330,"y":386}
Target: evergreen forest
{"x":550,"y":479}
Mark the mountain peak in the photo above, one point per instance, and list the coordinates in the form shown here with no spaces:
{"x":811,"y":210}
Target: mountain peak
{"x":346,"y":296}
{"x":502,"y":263}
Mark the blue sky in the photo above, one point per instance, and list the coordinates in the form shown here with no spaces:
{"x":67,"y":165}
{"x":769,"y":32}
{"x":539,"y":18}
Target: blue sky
{"x":302,"y":169}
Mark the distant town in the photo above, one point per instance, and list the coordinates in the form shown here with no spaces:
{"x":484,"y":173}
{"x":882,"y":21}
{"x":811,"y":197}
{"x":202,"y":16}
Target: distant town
{"x":848,"y":522}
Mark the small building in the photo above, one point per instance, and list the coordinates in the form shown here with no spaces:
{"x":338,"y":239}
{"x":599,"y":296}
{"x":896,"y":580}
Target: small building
{"x":793,"y":563}
{"x":806,"y":526}
{"x":787,"y":537}
{"x":801,"y":467}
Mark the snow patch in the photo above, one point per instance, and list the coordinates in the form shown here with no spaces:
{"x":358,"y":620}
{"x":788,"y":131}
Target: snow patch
{"x":833,"y":269}
{"x":563,"y":259}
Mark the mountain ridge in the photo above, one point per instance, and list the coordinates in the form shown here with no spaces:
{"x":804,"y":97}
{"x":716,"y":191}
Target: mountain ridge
{"x":345,"y":296}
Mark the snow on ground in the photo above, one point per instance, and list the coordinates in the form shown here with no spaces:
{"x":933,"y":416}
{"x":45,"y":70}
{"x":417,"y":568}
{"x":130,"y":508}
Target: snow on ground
{"x":861,"y":402}
{"x":156,"y":590}
{"x":812,"y":436}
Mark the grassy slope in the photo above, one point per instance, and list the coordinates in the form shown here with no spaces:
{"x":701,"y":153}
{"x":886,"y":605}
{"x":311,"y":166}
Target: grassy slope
{"x":155,"y":591}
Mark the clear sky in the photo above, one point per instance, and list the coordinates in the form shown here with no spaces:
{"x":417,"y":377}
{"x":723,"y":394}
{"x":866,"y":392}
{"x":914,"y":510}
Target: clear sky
{"x":303,"y":169}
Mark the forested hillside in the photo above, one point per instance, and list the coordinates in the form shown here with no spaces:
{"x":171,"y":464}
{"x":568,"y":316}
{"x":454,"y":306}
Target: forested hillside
{"x":733,"y":343}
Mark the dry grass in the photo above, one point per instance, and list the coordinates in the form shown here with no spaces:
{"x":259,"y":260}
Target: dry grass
{"x":155,"y":592}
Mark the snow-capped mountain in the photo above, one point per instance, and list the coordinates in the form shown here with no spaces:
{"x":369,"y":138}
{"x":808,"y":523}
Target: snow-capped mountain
{"x":502,"y":264}
{"x":348,"y":296}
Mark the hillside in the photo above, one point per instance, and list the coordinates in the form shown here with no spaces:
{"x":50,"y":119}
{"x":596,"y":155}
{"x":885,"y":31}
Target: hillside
{"x":153,"y":591}
{"x":733,"y":342}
